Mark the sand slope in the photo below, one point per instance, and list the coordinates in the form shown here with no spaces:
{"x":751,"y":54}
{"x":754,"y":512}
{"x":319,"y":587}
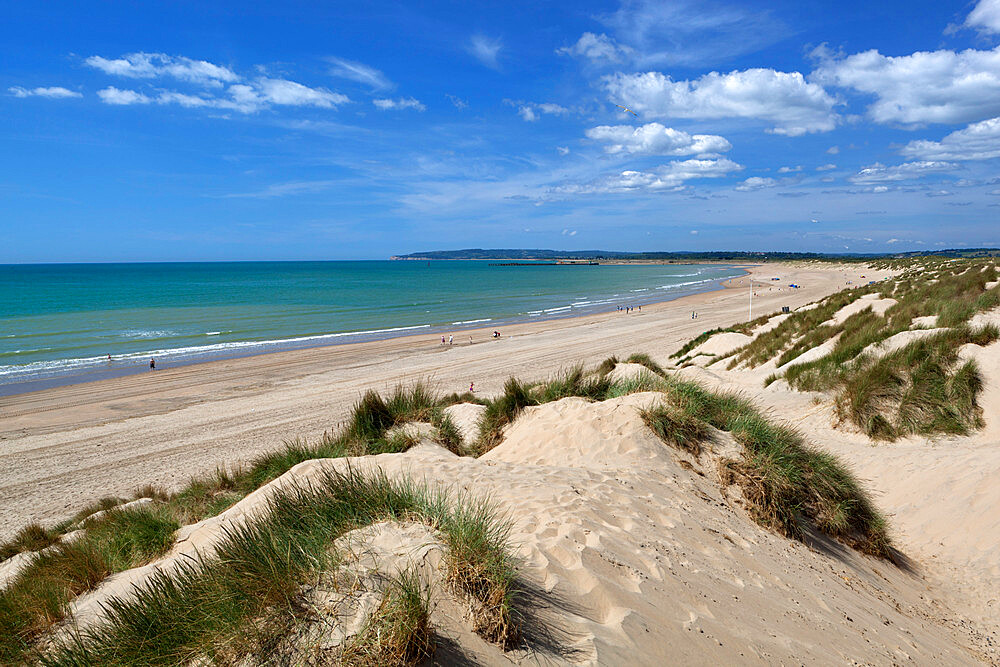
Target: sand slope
{"x":643,"y":560}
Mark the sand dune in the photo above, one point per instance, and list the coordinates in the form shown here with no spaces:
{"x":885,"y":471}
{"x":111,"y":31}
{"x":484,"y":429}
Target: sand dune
{"x":643,"y":559}
{"x":941,"y":493}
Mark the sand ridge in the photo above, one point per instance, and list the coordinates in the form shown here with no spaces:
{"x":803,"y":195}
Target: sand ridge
{"x":641,"y":559}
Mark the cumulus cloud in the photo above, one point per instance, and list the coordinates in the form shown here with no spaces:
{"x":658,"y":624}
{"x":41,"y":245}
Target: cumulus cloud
{"x":401,"y":103}
{"x":833,"y":150}
{"x":985,"y":16}
{"x":756,"y":183}
{"x":826,"y":167}
{"x":355,"y":71}
{"x":790,"y":170}
{"x":52,"y":92}
{"x":154,"y":65}
{"x":112,"y":95}
{"x":665,"y":178}
{"x":923,"y":87}
{"x":486,"y":50}
{"x":880,"y":173}
{"x":979,"y":141}
{"x":655,"y":139}
{"x":786,"y":99}
{"x":596,"y":48}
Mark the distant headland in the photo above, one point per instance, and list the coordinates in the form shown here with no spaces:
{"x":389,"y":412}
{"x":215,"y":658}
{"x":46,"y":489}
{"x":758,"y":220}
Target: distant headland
{"x":524,"y":254}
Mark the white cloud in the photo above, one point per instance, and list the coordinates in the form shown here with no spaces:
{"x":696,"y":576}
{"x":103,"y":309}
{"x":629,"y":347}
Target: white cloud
{"x":665,"y":178}
{"x":401,"y":103}
{"x":826,"y":167}
{"x":241,"y":95}
{"x":785,"y":99}
{"x":880,"y":173}
{"x":923,"y":87}
{"x":756,"y":183}
{"x":890,"y":241}
{"x":563,"y":150}
{"x":979,"y":141}
{"x":458,"y":102}
{"x":569,"y":232}
{"x":284,"y":190}
{"x":260,"y":94}
{"x":790,"y":170}
{"x":291,"y":93}
{"x":833,"y":150}
{"x":112,"y":95}
{"x":596,"y":48}
{"x":690,"y":32}
{"x":985,"y":16}
{"x":52,"y":92}
{"x":655,"y":139}
{"x":531,"y":111}
{"x":486,"y":50}
{"x":694,"y":231}
{"x":154,"y":65}
{"x":355,"y":71}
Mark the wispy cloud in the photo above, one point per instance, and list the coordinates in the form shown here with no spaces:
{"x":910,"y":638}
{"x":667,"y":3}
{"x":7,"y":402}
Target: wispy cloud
{"x":245,"y":98}
{"x":688,"y":32}
{"x":880,"y":173}
{"x":355,"y":71}
{"x":52,"y":92}
{"x":388,"y":104}
{"x":220,"y":87}
{"x":153,"y":65}
{"x":457,"y":102}
{"x":284,"y":190}
{"x":531,"y":111}
{"x":486,"y":50}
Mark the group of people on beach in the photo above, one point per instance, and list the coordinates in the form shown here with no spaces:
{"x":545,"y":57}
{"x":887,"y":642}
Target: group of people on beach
{"x":629,"y":309}
{"x":450,"y":340}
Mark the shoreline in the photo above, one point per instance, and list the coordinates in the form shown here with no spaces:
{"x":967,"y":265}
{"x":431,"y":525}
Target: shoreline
{"x":66,"y":446}
{"x":167,"y":359}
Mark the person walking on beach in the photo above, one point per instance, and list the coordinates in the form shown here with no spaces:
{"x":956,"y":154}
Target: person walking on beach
{"x":152,"y":364}
{"x":472,"y":387}
{"x":451,"y":340}
{"x":442,"y":340}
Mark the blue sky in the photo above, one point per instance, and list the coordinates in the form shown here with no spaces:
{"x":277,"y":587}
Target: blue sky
{"x":246,"y":131}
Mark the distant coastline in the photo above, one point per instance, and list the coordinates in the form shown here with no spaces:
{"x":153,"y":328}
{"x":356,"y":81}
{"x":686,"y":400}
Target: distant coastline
{"x":675,"y":257}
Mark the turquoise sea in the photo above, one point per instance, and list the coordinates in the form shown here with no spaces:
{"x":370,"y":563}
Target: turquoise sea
{"x":59,"y":322}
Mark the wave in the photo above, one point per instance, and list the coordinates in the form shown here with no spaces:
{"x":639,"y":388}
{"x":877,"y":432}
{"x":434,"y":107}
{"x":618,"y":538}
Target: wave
{"x":85,"y":363}
{"x":487,"y":319}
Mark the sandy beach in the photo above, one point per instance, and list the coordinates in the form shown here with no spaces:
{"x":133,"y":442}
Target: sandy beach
{"x":63,"y":447}
{"x":635,"y":538}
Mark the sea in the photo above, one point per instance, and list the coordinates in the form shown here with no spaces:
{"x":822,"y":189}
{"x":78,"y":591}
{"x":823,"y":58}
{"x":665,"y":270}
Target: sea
{"x":60,"y":322}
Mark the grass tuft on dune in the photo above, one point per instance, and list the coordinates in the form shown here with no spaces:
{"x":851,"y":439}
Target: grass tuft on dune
{"x":236,"y":603}
{"x":918,"y":389}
